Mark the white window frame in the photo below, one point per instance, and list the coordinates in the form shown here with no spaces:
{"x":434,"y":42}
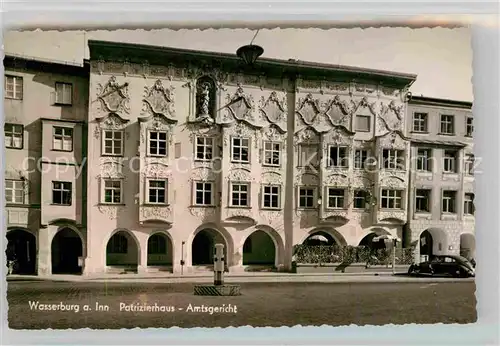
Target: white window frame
{"x":362,"y":116}
{"x":446,"y":121}
{"x":271,"y":194}
{"x":420,"y":122}
{"x":469,"y":204}
{"x":389,"y":195}
{"x":342,"y":198}
{"x":208,"y":142}
{"x":447,"y":161}
{"x":17,"y":89}
{"x":362,"y":157}
{"x":392,"y":161}
{"x":241,"y":147}
{"x":271,"y":151}
{"x":158,"y":141}
{"x":314,"y":196}
{"x":62,"y":94}
{"x":232,"y":185}
{"x":157,"y":189}
{"x":314,"y":149}
{"x":63,"y":189}
{"x":342,"y":162}
{"x":424,"y":159}
{"x":113,"y":139}
{"x":203,"y":191}
{"x":469,"y":128}
{"x":354,"y":198}
{"x":16,"y":131}
{"x":120,"y":191}
{"x":450,"y":201}
{"x":17,"y":185}
{"x":66,"y":137}
{"x":420,"y":196}
{"x":469,"y":163}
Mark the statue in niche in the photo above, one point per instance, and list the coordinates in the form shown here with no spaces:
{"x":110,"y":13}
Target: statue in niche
{"x":205,"y":100}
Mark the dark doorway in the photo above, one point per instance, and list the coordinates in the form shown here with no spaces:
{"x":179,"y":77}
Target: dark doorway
{"x":66,"y":249}
{"x":426,"y":244}
{"x":203,"y":248}
{"x":320,"y":238}
{"x":21,"y":248}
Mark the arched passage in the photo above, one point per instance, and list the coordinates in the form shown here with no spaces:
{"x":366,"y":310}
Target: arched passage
{"x":325,"y":237}
{"x":259,"y":249}
{"x":67,"y":247}
{"x":433,"y":241}
{"x":21,"y":247}
{"x":159,"y":250}
{"x":122,"y":250}
{"x":368,"y":240}
{"x":467,"y":245}
{"x":202,"y":249}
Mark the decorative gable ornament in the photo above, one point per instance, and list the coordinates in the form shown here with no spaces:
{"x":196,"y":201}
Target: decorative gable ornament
{"x":160,"y":100}
{"x":114,"y":97}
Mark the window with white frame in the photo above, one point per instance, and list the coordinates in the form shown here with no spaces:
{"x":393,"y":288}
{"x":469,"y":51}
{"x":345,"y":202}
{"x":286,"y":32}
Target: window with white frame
{"x":360,"y":157}
{"x":424,"y":160}
{"x":419,"y":122}
{"x":240,"y":194}
{"x":271,"y":196}
{"x":363,"y":123}
{"x":157,"y":143}
{"x":113,"y":142}
{"x":203,"y":193}
{"x":204,"y":148}
{"x":469,"y":127}
{"x":64,"y":93}
{"x":422,"y":200}
{"x":14,"y":135}
{"x":308,"y":155}
{"x":469,"y":204}
{"x":14,"y":191}
{"x":14,"y":87}
{"x":61,"y":192}
{"x":469,"y":163}
{"x":335,"y":198}
{"x":447,"y":124}
{"x":449,"y":201}
{"x":360,"y":197}
{"x":393,"y":159}
{"x":306,"y":197}
{"x":157,"y":191}
{"x":338,"y":157}
{"x":112,"y":191}
{"x":391,"y":199}
{"x":63,"y":139}
{"x":272,"y":153}
{"x":240,"y":148}
{"x":450,"y":161}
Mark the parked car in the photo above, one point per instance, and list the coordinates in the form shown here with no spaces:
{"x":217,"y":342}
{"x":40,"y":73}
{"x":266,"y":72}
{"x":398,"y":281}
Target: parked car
{"x":457,"y":266}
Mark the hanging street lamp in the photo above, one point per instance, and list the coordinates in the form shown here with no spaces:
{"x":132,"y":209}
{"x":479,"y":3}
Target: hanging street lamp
{"x":250,"y":52}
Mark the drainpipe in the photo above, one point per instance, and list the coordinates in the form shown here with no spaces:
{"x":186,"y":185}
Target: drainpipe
{"x":182,"y":257}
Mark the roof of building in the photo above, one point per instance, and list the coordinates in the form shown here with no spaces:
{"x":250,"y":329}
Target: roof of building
{"x":439,"y":142}
{"x":14,"y":61}
{"x":157,"y":55}
{"x":431,"y":101}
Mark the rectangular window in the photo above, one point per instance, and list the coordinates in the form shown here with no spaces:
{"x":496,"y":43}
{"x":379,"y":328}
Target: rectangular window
{"x":157,"y":191}
{"x":113,"y":191}
{"x":61,"y":193}
{"x":64,"y":93}
{"x":306,"y":197}
{"x":363,"y":123}
{"x":419,"y":122}
{"x":271,"y":196}
{"x":393,"y":159}
{"x":424,"y":160}
{"x":449,"y":201}
{"x":450,"y":161}
{"x":240,"y":195}
{"x":14,"y":135}
{"x":469,"y":204}
{"x":336,"y":198}
{"x":204,"y":148}
{"x":204,"y":193}
{"x":422,"y":201}
{"x":14,"y":87}
{"x":337,"y":157}
{"x":469,"y":163}
{"x":469,"y":127}
{"x":360,"y":157}
{"x":391,"y":199}
{"x":272,"y":153}
{"x":447,"y":124}
{"x":240,"y":148}
{"x":157,"y":143}
{"x":113,"y":142}
{"x":308,"y":155}
{"x":360,"y":197}
{"x":14,"y":191}
{"x":63,"y":139}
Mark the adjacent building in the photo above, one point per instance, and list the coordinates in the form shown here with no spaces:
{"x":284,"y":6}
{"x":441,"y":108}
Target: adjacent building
{"x":162,"y":153}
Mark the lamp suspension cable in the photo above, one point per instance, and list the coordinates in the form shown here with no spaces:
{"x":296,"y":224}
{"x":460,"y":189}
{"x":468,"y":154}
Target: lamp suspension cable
{"x":254,"y":36}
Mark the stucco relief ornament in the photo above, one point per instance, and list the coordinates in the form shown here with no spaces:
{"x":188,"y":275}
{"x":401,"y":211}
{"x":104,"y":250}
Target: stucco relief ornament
{"x":392,"y":214}
{"x":272,"y":178}
{"x":308,"y":108}
{"x":163,"y":213}
{"x":160,"y":100}
{"x":272,"y":134}
{"x":392,"y":116}
{"x":338,"y":112}
{"x":111,"y":211}
{"x":241,"y":105}
{"x":113,"y":96}
{"x":307,"y":135}
{"x":240,"y":174}
{"x":274,"y":110}
{"x":202,"y":212}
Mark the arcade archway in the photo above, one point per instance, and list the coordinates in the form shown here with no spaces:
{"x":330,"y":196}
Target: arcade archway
{"x":21,"y":248}
{"x":202,"y":248}
{"x":259,"y":249}
{"x":159,"y":250}
{"x":67,"y":247}
{"x":122,"y":250}
{"x":467,"y":245}
{"x":433,"y":241}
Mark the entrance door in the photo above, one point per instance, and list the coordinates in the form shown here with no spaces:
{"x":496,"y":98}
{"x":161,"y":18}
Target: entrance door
{"x":66,"y":248}
{"x":21,"y":247}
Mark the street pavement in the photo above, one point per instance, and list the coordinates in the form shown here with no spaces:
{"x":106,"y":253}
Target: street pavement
{"x":113,"y":304}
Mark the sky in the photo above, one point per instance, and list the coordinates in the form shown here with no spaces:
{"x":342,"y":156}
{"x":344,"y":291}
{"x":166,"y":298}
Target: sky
{"x":441,"y":57}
